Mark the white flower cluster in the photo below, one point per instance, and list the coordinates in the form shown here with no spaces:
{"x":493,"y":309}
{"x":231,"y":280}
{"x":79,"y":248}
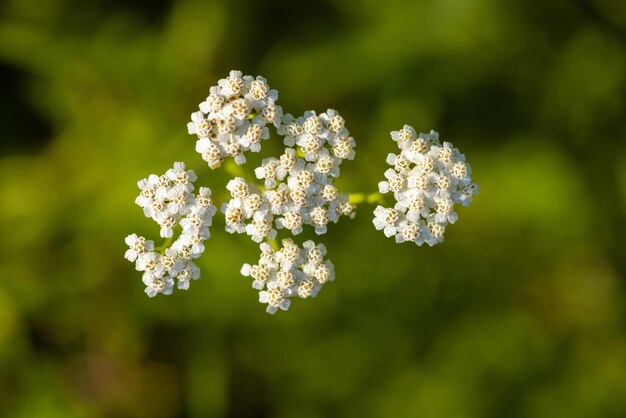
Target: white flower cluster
{"x":298,"y":190}
{"x":427,"y":179}
{"x":247,"y":203}
{"x":233,"y":118}
{"x":300,"y":187}
{"x":290,"y":271}
{"x":169,"y":200}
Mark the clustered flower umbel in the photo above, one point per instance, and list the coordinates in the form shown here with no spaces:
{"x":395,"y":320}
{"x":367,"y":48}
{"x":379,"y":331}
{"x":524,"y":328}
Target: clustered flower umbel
{"x":427,"y":179}
{"x":298,"y":190}
{"x":290,"y":271}
{"x":169,"y":200}
{"x":233,"y":118}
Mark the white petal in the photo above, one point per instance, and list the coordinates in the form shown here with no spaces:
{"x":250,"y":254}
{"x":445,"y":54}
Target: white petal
{"x":390,"y":231}
{"x":245,"y":269}
{"x":130,"y":255}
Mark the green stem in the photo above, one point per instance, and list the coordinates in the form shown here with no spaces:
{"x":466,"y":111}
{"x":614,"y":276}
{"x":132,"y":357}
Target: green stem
{"x":273,"y":243}
{"x":233,"y":169}
{"x":161,"y":248}
{"x":366,"y":198}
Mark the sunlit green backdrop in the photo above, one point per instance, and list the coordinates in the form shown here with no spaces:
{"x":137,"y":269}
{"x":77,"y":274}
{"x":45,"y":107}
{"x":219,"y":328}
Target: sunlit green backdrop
{"x":521,"y":312}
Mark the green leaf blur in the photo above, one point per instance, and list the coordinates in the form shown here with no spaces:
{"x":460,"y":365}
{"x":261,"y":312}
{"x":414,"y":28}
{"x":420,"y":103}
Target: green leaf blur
{"x":521,"y":312}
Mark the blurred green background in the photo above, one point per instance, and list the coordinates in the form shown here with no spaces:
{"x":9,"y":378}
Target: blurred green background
{"x":520,"y":313}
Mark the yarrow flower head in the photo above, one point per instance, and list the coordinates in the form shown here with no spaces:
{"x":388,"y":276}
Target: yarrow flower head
{"x":299,"y":185}
{"x":291,"y":271}
{"x":427,"y":179}
{"x":169,"y":200}
{"x":233,"y":118}
{"x":296,"y":191}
